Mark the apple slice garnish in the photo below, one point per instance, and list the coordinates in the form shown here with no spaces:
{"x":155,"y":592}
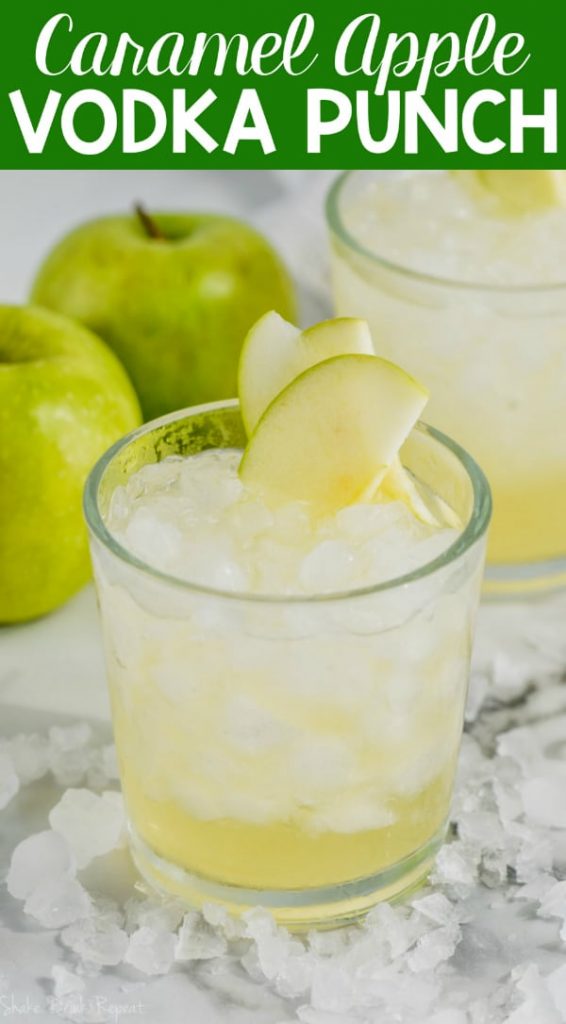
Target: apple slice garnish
{"x":275,"y":352}
{"x":518,"y":191}
{"x":331,"y":435}
{"x":399,"y":485}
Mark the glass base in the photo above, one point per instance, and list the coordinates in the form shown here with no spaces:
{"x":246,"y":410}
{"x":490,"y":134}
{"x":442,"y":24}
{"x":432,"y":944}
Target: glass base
{"x":298,"y":910}
{"x":524,"y":580}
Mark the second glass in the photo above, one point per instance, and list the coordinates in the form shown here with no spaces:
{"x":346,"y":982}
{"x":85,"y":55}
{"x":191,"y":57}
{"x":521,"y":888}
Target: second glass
{"x":494,"y":360}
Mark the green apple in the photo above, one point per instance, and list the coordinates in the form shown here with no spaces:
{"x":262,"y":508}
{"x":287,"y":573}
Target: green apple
{"x":174,"y":295}
{"x":64,"y":398}
{"x":330,"y":436}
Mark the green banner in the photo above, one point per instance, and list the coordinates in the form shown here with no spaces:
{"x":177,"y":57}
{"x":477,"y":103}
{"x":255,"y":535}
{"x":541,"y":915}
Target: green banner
{"x":287,"y":85}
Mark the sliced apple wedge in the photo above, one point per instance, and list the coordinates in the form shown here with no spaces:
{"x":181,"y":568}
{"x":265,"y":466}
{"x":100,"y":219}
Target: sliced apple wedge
{"x":275,"y":352}
{"x":399,"y":485}
{"x":519,"y":191}
{"x":341,"y":336}
{"x":330,"y":436}
{"x":269,"y":345}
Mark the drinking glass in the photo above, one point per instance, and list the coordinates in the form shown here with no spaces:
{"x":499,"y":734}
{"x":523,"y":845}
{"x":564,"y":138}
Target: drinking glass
{"x":494,"y":360}
{"x":293,"y":752}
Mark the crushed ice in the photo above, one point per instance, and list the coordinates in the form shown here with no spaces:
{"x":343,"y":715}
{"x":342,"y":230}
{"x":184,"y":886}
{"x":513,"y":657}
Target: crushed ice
{"x":445,"y":956}
{"x":212,"y":531}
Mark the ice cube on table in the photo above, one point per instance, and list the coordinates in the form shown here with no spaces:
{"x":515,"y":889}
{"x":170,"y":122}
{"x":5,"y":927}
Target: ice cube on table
{"x":65,"y":981}
{"x":70,"y":752}
{"x":434,"y":948}
{"x":96,"y":941}
{"x":508,"y":800}
{"x":58,"y":901}
{"x":70,"y":737}
{"x":92,"y":824}
{"x":437,"y":908}
{"x":538,"y":1005}
{"x":543,"y":800}
{"x":330,"y":943}
{"x":151,"y":950}
{"x":521,"y":746}
{"x":197,"y":940}
{"x":36,"y":859}
{"x":456,"y":865}
{"x":537,"y":889}
{"x":258,"y":923}
{"x":333,"y":988}
{"x":218,"y":918}
{"x":535,"y":851}
{"x":294,"y":977}
{"x":553,"y":902}
{"x":276,"y":956}
{"x":30,"y":756}
{"x":281,"y":959}
{"x":482,"y":828}
{"x":107,"y":911}
{"x":166,"y":914}
{"x":393,"y":928}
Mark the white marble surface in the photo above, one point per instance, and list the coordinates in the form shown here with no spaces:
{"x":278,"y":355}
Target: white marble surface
{"x":51,"y":671}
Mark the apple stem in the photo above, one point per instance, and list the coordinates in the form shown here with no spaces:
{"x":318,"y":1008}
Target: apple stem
{"x":148,"y":223}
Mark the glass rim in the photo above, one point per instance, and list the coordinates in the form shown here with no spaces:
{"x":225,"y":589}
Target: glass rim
{"x":473,"y":531}
{"x":337,"y":226}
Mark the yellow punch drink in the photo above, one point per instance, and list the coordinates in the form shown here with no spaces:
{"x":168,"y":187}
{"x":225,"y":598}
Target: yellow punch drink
{"x":287,"y":593}
{"x":462,"y":277}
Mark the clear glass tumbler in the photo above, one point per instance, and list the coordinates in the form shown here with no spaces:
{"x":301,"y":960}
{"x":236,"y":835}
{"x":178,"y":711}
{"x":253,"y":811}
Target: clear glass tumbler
{"x":494,"y":360}
{"x":297,"y":753}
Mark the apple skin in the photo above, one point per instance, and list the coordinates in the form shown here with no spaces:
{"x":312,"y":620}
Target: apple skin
{"x":174,"y":309}
{"x":64,"y":399}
